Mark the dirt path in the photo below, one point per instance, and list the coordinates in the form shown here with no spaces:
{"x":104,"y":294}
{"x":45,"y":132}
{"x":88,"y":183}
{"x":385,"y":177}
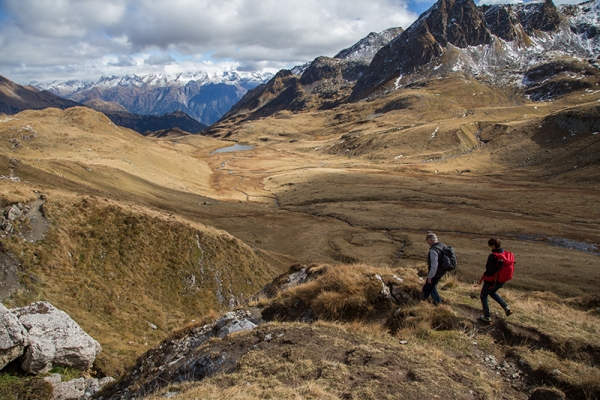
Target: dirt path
{"x":39,"y":224}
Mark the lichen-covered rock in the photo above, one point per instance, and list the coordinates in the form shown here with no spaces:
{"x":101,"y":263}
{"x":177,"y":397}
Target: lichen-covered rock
{"x":69,"y":390}
{"x":93,"y":385}
{"x":178,"y":360}
{"x":55,"y":339}
{"x":13,"y":337}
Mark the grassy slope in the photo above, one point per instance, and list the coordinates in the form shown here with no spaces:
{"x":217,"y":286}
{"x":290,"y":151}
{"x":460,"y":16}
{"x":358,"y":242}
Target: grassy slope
{"x":116,"y":270}
{"x":441,"y":351}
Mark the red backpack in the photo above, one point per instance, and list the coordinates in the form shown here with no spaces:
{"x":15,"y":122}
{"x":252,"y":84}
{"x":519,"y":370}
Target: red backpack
{"x":506,"y":264}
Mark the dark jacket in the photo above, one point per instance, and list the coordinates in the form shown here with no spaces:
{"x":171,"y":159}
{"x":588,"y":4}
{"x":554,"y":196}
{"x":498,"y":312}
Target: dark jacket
{"x":433,"y":260}
{"x":491,"y":266}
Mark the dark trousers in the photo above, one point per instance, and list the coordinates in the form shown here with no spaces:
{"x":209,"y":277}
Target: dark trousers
{"x":490,"y":289}
{"x":430,"y":289}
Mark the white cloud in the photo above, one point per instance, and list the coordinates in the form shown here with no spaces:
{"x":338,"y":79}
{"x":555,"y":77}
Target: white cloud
{"x":43,"y":40}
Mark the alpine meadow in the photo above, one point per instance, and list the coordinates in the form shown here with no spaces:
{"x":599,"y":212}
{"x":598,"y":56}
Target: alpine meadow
{"x":263,"y":236}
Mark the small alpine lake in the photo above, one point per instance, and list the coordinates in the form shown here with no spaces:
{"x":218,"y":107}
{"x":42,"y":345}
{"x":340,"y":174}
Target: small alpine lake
{"x":235,"y":147}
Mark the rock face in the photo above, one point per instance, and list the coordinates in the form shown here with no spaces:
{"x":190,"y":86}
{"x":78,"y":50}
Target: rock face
{"x":366,"y":48}
{"x":13,"y":337}
{"x":496,"y":42}
{"x":179,"y":360}
{"x":45,"y":337}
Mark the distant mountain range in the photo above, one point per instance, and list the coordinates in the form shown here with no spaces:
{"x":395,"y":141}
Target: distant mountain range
{"x":15,"y":98}
{"x":205,"y":97}
{"x":536,"y":49}
{"x":202,"y":96}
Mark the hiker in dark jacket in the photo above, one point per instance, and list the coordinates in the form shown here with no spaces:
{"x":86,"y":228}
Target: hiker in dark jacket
{"x":435,"y":273}
{"x":490,"y":284}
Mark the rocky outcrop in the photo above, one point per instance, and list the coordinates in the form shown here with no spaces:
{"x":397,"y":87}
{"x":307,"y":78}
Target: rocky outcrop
{"x":180,"y":359}
{"x":44,"y":337}
{"x":190,"y":356}
{"x":75,"y":389}
{"x":13,"y":337}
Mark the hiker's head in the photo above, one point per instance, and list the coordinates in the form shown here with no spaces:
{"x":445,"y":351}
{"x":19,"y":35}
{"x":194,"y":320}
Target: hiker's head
{"x":494,"y":243}
{"x":431,"y":238}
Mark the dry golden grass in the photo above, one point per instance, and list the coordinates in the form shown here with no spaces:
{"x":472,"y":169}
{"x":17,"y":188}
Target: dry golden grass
{"x":564,"y":372}
{"x":117,"y":271}
{"x":343,"y":292}
{"x":344,"y":361}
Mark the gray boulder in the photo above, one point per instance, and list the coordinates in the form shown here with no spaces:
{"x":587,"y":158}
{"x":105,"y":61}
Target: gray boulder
{"x":69,"y":390}
{"x":13,"y":337}
{"x":93,"y":386}
{"x":55,"y":340}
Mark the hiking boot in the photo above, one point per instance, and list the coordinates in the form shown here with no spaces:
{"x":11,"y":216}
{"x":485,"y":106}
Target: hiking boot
{"x":508,"y":311}
{"x":485,"y":320}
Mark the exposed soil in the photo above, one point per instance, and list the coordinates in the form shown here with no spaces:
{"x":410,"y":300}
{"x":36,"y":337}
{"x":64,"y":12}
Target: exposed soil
{"x":9,"y":275}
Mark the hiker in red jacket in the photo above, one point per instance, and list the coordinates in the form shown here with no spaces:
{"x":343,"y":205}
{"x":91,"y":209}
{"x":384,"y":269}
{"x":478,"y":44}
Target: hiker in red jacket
{"x":493,"y":279}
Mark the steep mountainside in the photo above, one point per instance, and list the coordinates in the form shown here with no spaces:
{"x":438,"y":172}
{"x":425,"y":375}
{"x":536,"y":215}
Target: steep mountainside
{"x":499,"y":44}
{"x":102,"y":106}
{"x":535,"y":49}
{"x":321,"y":84}
{"x":15,"y":98}
{"x":203,"y":97}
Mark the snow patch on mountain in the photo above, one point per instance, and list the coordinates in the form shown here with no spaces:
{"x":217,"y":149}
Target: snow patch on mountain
{"x":366,"y":48}
{"x":151,"y":81}
{"x":504,"y":62}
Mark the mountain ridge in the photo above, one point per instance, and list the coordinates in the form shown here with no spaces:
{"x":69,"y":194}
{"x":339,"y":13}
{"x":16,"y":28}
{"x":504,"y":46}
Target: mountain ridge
{"x":322,"y":83}
{"x":203,"y":96}
{"x":498,"y":45}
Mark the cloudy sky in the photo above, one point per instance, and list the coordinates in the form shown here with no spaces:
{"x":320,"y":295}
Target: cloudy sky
{"x":44,"y":40}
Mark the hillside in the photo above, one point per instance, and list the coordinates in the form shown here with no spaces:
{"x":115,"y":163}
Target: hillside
{"x":168,"y":270}
{"x":150,"y":123}
{"x":353,"y":331}
{"x":305,"y":215}
{"x":15,"y":98}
